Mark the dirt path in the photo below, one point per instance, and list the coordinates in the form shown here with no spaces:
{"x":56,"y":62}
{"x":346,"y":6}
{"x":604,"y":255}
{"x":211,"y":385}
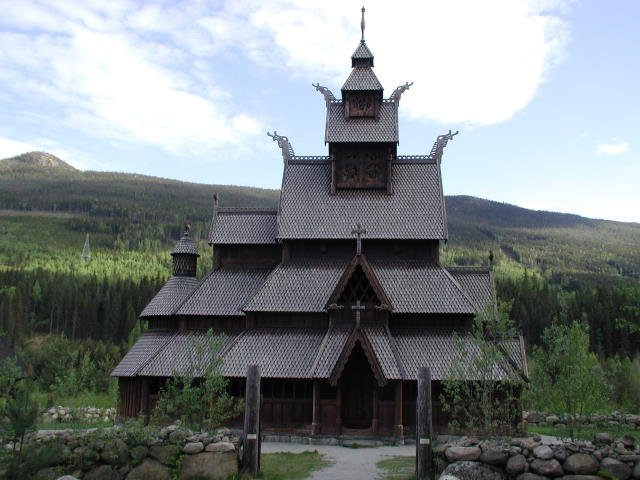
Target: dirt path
{"x":347,"y":463}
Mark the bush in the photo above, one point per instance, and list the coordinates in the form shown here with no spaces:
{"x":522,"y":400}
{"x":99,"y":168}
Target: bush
{"x":198,"y":394}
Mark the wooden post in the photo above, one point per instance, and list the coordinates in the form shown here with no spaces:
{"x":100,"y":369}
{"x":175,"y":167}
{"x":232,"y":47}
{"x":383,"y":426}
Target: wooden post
{"x":424,"y":459}
{"x":144,"y":400}
{"x":374,"y":420}
{"x":251,"y":443}
{"x":398,"y":430}
{"x":315,"y":422}
{"x":339,"y":409}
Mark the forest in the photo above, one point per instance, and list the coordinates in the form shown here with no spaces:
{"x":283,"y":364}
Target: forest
{"x":549,"y":268}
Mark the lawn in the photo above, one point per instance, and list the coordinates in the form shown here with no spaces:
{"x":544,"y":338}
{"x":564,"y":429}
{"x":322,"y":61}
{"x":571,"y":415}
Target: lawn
{"x":289,"y":466}
{"x":398,"y":468}
{"x":584,"y":433}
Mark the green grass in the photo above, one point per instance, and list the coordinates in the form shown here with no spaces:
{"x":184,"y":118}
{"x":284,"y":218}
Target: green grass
{"x":81,"y":400}
{"x":398,"y":468}
{"x":585,"y":433}
{"x":290,"y":466}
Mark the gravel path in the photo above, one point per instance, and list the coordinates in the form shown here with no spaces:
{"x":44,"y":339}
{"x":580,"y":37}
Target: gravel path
{"x":347,"y":463}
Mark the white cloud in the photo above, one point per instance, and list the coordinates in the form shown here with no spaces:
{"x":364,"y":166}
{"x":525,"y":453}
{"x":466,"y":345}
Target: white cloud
{"x":472,"y":62}
{"x":146,"y":73}
{"x":11,"y":148}
{"x":612,"y":148}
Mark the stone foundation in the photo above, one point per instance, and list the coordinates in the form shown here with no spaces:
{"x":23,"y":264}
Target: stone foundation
{"x":530,"y":459}
{"x":129,"y":454}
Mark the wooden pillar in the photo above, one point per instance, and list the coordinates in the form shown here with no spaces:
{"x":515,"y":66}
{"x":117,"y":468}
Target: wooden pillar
{"x":251,"y":441}
{"x":374,"y":420}
{"x":339,"y":409}
{"x":424,"y":459}
{"x":315,"y":425}
{"x":398,"y":429}
{"x":144,"y":399}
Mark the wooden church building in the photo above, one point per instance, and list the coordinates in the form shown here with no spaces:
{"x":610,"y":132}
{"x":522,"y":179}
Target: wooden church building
{"x":338,"y":294}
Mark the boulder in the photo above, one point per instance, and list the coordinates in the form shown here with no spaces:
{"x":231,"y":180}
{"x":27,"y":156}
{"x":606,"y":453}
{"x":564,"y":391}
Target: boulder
{"x":516,"y":464}
{"x":581,"y":463}
{"x":635,"y":474}
{"x":167,"y":454}
{"x":602,"y":437}
{"x":628,"y":441}
{"x":549,"y":468}
{"x":220,"y":447}
{"x":103,"y":472}
{"x":466,"y":470}
{"x":615,"y":468}
{"x":138,"y":453}
{"x":543,"y":452}
{"x":193,"y":447}
{"x":208,"y":466}
{"x":530,"y":476}
{"x":581,"y":477}
{"x":149,"y":470}
{"x":67,"y":477}
{"x":457,"y":454}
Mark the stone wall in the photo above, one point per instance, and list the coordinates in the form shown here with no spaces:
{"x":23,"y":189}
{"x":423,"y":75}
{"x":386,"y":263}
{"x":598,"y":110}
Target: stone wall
{"x":137,"y":453}
{"x":62,"y":414}
{"x":531,"y":459}
{"x":596,"y":420}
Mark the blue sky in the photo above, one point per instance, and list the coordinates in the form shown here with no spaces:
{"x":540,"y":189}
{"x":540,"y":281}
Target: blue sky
{"x":544,"y":93}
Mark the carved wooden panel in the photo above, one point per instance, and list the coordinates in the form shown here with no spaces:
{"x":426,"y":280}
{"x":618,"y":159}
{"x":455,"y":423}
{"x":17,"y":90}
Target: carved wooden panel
{"x":361,"y":167}
{"x":362,"y":104}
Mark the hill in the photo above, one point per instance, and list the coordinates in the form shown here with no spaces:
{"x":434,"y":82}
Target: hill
{"x":137,"y":211}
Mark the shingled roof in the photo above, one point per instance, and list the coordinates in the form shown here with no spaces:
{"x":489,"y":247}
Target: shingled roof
{"x":142,"y":352}
{"x":170,"y":297}
{"x":362,"y":129}
{"x":298,"y":286}
{"x":476,"y":282}
{"x":224,"y":291}
{"x":362,"y":79}
{"x":185,"y":352}
{"x":249,"y":226}
{"x":415,"y":209}
{"x":440,"y":351}
{"x":416,"y":287}
{"x":280,"y":352}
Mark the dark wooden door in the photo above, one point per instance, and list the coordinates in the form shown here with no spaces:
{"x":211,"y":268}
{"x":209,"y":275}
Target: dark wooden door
{"x":357,"y":384}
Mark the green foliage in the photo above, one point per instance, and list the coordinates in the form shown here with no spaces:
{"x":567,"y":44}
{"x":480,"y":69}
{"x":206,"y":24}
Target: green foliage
{"x":290,"y":466}
{"x":10,"y":376}
{"x":197,"y":394}
{"x":567,"y":378}
{"x":67,"y":368}
{"x":623,"y":375}
{"x":398,"y":468}
{"x":481,"y":391}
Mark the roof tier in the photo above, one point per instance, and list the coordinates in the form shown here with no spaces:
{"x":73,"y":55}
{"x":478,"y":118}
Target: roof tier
{"x":414,"y":211}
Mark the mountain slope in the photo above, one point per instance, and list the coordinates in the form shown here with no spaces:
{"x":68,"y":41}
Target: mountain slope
{"x":136,"y":211}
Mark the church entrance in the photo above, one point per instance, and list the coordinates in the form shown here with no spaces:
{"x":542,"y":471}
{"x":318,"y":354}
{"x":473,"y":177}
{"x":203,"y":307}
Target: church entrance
{"x":357,"y":385}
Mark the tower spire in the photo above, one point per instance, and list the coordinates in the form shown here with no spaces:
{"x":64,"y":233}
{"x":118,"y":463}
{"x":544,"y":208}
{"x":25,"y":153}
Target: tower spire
{"x":362,"y":25}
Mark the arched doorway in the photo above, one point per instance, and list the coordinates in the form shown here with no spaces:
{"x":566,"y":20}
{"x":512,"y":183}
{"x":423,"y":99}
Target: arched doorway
{"x":357,"y":384}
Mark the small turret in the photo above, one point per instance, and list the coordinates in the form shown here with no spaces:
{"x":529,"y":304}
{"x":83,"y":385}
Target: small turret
{"x":185,"y":255}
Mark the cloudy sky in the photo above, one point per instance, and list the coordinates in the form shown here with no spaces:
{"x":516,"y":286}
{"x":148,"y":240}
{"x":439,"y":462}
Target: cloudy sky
{"x":544,"y":93}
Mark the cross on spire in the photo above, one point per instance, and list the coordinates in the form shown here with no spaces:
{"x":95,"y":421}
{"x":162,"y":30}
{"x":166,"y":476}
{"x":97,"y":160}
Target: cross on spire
{"x":359,"y":231}
{"x":358,"y":307}
{"x":362,"y":25}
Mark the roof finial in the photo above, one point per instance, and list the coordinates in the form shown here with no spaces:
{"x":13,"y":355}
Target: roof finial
{"x":362,"y":25}
{"x":358,"y":232}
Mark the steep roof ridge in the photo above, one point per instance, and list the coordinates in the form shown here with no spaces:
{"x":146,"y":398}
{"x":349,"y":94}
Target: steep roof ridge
{"x":396,"y":353}
{"x":323,"y":345}
{"x":462,"y":290}
{"x":357,"y":335}
{"x":362,"y":261}
{"x":156,"y":353}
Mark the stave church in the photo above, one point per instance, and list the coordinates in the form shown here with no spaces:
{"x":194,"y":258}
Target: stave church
{"x":338,"y":294}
